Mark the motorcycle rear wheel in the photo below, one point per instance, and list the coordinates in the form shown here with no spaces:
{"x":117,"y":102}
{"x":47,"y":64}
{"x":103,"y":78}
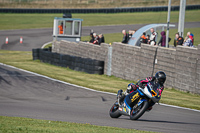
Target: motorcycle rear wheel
{"x":139,"y":111}
{"x":114,"y":112}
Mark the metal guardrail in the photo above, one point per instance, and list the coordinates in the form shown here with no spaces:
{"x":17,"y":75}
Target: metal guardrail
{"x":101,"y":10}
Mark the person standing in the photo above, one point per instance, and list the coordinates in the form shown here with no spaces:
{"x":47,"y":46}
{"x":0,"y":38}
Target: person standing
{"x":153,"y":37}
{"x":188,"y":42}
{"x":129,"y":35}
{"x":101,"y":39}
{"x":192,"y":38}
{"x":91,"y":38}
{"x":162,"y":39}
{"x":143,"y":38}
{"x":61,"y":28}
{"x":96,"y":38}
{"x":178,"y":40}
{"x":125,"y":36}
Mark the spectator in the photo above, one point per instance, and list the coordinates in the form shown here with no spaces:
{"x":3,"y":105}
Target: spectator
{"x":153,"y":37}
{"x":129,"y":34}
{"x":178,"y":40}
{"x":188,"y":42}
{"x":147,"y":39}
{"x":91,"y":38}
{"x":95,"y":38}
{"x":192,"y":38}
{"x":189,"y":35}
{"x":60,"y":28}
{"x":162,"y":39}
{"x":125,"y":36}
{"x":143,"y":38}
{"x":101,"y":39}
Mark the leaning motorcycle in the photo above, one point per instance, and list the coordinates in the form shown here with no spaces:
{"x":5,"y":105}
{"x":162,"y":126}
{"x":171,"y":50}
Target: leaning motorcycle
{"x":136,"y":103}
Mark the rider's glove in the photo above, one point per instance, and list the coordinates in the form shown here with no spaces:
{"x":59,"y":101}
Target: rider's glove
{"x":126,"y":92}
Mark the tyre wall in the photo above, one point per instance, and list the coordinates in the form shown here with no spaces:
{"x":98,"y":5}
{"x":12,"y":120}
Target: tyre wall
{"x":76,"y":63}
{"x":101,"y":10}
{"x":84,"y":50}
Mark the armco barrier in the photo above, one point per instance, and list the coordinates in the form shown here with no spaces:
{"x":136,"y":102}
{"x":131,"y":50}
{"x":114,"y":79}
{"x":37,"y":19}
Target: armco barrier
{"x":87,"y":65}
{"x":101,"y":10}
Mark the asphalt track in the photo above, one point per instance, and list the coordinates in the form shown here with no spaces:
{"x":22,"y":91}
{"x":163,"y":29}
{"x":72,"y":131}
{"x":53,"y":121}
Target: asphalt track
{"x":35,"y":38}
{"x":24,"y":94}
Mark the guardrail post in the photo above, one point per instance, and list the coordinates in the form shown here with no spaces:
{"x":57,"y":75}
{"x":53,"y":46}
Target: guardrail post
{"x":109,"y":64}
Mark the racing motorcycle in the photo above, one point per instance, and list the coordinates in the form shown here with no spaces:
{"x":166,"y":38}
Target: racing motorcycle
{"x":136,"y":103}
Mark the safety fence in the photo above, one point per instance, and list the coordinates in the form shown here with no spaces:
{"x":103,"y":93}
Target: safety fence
{"x":87,"y":65}
{"x":96,"y":10}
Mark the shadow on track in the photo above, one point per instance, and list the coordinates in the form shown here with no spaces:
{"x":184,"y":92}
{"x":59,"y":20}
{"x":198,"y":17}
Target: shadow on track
{"x":162,"y":121}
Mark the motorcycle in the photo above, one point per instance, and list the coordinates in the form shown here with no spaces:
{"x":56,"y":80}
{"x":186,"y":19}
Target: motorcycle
{"x":136,"y":103}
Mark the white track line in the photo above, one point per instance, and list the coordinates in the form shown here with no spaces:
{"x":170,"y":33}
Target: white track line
{"x":45,"y":44}
{"x":88,"y":88}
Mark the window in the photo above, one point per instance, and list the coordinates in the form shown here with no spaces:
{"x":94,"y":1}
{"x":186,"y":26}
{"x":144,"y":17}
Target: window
{"x":60,"y":27}
{"x":68,"y":27}
{"x":77,"y":28}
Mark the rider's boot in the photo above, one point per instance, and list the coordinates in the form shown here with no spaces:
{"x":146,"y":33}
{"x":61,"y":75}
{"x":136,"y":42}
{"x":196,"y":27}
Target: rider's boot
{"x":120,"y":96}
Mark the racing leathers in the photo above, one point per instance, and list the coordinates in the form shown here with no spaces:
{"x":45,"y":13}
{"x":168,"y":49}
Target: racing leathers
{"x":141,"y":83}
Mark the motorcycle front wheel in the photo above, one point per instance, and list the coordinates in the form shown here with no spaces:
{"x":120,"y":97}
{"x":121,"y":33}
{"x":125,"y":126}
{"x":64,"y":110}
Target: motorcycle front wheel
{"x":138,"y":111}
{"x":114,"y":112}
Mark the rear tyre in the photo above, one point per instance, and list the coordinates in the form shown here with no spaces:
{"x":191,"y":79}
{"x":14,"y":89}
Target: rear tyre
{"x":114,"y":112}
{"x":137,"y":112}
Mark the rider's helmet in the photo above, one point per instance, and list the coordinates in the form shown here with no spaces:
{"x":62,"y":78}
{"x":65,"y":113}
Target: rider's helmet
{"x":160,"y":77}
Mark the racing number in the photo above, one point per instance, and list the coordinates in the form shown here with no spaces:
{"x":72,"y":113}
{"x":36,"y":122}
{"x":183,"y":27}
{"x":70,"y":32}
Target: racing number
{"x":135,"y":97}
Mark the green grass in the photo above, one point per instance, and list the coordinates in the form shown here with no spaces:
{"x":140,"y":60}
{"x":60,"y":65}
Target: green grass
{"x":28,"y":21}
{"x":17,"y":124}
{"x":117,"y":37}
{"x":98,"y":82}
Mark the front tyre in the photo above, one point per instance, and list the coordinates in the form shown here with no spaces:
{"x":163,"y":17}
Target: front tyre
{"x":138,"y":111}
{"x":114,"y":112}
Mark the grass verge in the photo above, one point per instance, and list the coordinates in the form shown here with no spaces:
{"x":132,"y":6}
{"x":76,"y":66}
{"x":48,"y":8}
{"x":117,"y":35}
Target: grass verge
{"x":28,"y":21}
{"x":98,"y":82}
{"x":117,"y":37}
{"x":17,"y":124}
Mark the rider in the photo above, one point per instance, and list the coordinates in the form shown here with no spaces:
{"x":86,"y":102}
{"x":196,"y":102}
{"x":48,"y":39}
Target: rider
{"x":159,"y":77}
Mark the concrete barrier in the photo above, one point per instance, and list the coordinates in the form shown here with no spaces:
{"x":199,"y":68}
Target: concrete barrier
{"x":181,"y":65}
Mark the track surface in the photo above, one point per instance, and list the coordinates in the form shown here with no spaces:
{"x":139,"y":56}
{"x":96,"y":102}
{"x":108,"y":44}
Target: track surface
{"x":24,"y":94}
{"x":35,"y":38}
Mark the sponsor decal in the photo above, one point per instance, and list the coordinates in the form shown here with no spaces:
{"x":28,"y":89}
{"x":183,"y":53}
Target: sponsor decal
{"x":120,"y":109}
{"x":135,"y":97}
